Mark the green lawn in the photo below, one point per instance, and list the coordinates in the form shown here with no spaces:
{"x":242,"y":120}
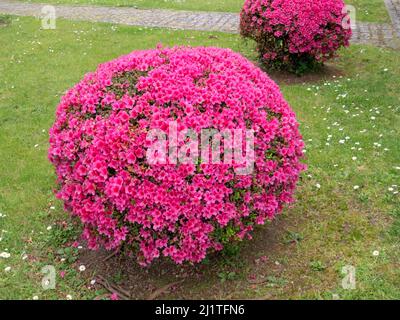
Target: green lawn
{"x":370,"y":10}
{"x":331,"y":225}
{"x":367,"y":10}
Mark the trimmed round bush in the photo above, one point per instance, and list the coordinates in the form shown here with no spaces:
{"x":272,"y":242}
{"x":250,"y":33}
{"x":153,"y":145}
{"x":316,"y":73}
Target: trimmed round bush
{"x":296,"y":35}
{"x":100,"y":143}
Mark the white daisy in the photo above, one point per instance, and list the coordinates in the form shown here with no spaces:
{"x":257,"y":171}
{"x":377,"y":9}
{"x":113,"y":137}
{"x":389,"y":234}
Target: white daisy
{"x":5,"y":255}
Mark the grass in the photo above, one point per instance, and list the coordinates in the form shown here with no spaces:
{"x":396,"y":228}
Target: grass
{"x":367,"y":10}
{"x":300,"y":255}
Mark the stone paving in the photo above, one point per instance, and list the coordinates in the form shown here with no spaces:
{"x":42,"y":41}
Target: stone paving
{"x":381,"y":35}
{"x":385,"y":35}
{"x":393,"y":7}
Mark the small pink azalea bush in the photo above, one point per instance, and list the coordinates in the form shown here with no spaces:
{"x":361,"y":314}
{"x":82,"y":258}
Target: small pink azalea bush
{"x":98,"y":146}
{"x":295,"y":34}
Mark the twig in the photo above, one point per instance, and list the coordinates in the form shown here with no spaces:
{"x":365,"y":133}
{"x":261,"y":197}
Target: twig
{"x":110,"y":256}
{"x":122,"y":293}
{"x":162,"y":290}
{"x":257,"y":281}
{"x":113,"y":285}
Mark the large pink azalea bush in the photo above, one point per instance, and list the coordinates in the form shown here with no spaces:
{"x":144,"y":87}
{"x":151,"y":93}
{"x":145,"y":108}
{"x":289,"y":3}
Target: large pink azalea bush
{"x":296,"y":34}
{"x":99,"y":143}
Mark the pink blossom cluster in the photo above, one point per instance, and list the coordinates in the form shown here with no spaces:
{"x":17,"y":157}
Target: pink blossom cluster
{"x":290,"y":30}
{"x":98,"y":146}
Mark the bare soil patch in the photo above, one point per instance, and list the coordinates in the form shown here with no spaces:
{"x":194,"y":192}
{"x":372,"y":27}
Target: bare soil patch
{"x":165,"y":280}
{"x":326,"y":72}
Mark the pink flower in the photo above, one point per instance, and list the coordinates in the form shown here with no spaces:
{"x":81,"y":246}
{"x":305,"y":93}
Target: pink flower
{"x":287,"y":31}
{"x":114,"y":296}
{"x":75,"y":244}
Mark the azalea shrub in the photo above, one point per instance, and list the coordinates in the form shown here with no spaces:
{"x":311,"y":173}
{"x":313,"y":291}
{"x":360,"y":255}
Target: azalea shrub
{"x":101,"y":139}
{"x":296,"y":35}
